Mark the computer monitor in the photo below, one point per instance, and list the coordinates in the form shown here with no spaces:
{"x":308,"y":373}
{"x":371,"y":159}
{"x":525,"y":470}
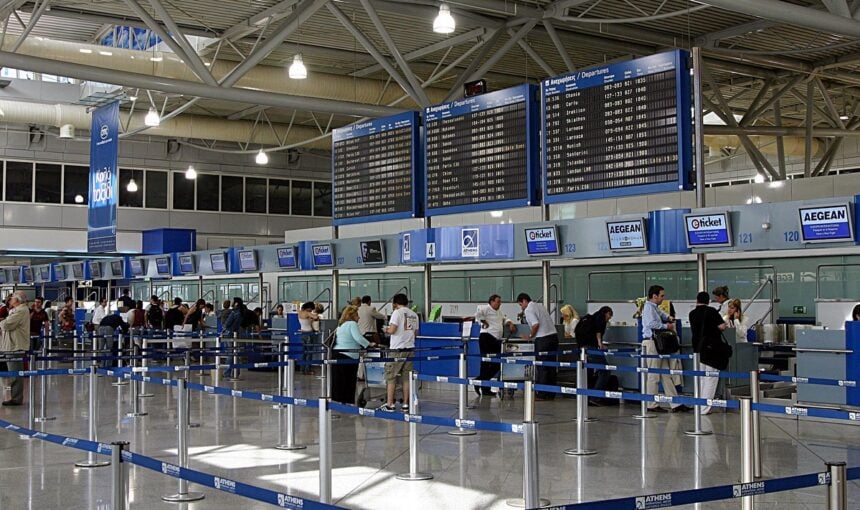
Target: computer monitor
{"x":219,"y":262}
{"x":627,"y":235}
{"x":116,"y":268}
{"x":28,"y":274}
{"x":247,"y":260}
{"x":78,"y":271}
{"x":137,"y":268}
{"x":45,"y":273}
{"x":186,"y":264}
{"x":708,"y":230}
{"x":287,"y":257}
{"x":60,"y":272}
{"x":826,"y":223}
{"x":372,"y":252}
{"x":95,"y":270}
{"x":162,"y":265}
{"x":542,"y":241}
{"x":323,"y":255}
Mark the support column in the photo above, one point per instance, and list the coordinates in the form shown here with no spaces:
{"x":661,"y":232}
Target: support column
{"x":699,"y":148}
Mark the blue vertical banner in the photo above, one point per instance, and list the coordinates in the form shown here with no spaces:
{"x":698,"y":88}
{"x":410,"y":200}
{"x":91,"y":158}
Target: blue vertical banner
{"x":104,"y":179}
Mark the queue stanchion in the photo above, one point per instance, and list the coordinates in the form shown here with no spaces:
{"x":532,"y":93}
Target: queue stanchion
{"x":581,"y":419}
{"x":191,"y":424}
{"x":119,"y":477}
{"x":288,"y":443}
{"x":92,"y":411}
{"x":531,"y":480}
{"x":43,"y":388}
{"x":183,"y":495}
{"x":697,"y":394}
{"x":144,"y":362}
{"x":747,"y":502}
{"x":643,"y":384}
{"x":325,"y":450}
{"x":31,"y":394}
{"x":135,"y":389}
{"x":120,"y":349}
{"x":756,"y":424}
{"x":462,"y":372}
{"x":232,"y":374}
{"x":582,"y":404}
{"x":837,"y":491}
{"x":218,"y":361}
{"x":413,"y":474}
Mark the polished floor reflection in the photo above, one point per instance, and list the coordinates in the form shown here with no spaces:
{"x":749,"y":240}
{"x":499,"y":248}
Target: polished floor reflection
{"x":235,"y":440}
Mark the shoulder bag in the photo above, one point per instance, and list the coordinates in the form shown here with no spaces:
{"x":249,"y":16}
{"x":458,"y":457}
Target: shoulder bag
{"x":666,"y":341}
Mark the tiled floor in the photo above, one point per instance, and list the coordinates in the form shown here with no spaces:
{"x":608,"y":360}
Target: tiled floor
{"x":471,"y":472}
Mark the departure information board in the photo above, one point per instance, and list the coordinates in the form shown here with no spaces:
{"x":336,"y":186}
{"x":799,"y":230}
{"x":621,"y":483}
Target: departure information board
{"x":616,"y":130}
{"x":480,"y":152}
{"x":376,"y":170}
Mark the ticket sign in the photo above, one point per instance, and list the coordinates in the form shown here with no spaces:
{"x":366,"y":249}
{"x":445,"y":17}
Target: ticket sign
{"x":708,"y":230}
{"x":626,"y":235}
{"x":542,"y":241}
{"x":826,"y":224}
{"x":287,"y":257}
{"x":323,"y":255}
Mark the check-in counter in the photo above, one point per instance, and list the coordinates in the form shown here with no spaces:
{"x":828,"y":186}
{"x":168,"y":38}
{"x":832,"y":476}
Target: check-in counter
{"x":826,"y":354}
{"x":744,"y":358}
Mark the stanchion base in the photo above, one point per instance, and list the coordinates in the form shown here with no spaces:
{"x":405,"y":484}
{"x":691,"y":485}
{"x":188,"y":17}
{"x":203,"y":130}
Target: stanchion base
{"x":43,"y":419}
{"x":644,"y":416}
{"x":414,"y":476}
{"x":232,"y":379}
{"x":698,"y":432}
{"x":120,"y":382}
{"x":578,"y":452}
{"x":145,"y":395}
{"x":587,"y":420}
{"x":461,"y":432}
{"x":289,"y":447}
{"x":521,"y":503}
{"x":135,"y":415}
{"x":93,"y":464}
{"x":182,"y":498}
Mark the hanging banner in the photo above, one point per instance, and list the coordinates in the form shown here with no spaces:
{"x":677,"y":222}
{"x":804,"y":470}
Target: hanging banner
{"x":104,"y":179}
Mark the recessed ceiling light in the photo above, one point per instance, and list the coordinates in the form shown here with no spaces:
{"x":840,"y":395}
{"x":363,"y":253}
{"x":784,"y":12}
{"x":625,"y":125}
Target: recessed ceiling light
{"x":105,"y":53}
{"x":156,"y":59}
{"x":85,"y":50}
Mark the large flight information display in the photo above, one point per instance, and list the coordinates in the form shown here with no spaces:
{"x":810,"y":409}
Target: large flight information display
{"x":620,"y":129}
{"x":376,"y":170}
{"x":481,"y":152}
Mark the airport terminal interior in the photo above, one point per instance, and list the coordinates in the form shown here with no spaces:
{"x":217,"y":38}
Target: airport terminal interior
{"x":468,"y":254}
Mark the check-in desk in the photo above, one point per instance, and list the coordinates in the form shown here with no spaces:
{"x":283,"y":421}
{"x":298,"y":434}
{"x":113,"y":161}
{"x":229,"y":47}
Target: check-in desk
{"x":744,"y":359}
{"x":829,"y":354}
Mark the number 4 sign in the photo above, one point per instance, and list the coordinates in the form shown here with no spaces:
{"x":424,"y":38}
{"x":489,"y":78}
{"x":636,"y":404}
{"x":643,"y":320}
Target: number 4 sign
{"x":431,"y":251}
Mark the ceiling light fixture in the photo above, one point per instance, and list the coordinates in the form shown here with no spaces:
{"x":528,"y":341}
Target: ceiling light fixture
{"x":496,"y":214}
{"x":298,"y":71}
{"x":444,"y":22}
{"x":759,"y":178}
{"x":105,"y":53}
{"x":79,"y":199}
{"x":262,"y":158}
{"x":85,"y":50}
{"x":132,"y":186}
{"x":152,"y":119}
{"x":156,"y":59}
{"x":191,"y":173}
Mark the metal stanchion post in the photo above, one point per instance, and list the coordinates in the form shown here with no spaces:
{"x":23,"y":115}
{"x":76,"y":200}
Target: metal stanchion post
{"x":31,"y":394}
{"x":119,"y":477}
{"x":135,"y":390}
{"x":582,"y":403}
{"x":756,"y":424}
{"x":92,"y":411}
{"x":837,"y":492}
{"x":144,"y":363}
{"x":747,"y":503}
{"x":182,"y":420}
{"x":217,"y":378}
{"x":325,"y":451}
{"x":120,"y":349}
{"x":187,"y":376}
{"x":581,"y":406}
{"x":462,"y":402}
{"x":234,"y":360}
{"x":531,"y":489}
{"x":413,"y":474}
{"x":290,"y":442}
{"x":43,"y":388}
{"x":643,"y":383}
{"x":697,"y":393}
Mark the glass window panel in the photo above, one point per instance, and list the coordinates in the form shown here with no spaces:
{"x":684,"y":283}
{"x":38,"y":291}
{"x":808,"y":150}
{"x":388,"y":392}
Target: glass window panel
{"x":482,"y":287}
{"x":322,"y":199}
{"x":207,"y":192}
{"x":76,"y":181}
{"x":448,"y":288}
{"x":293,"y":290}
{"x":301,"y":198}
{"x":279,"y":196}
{"x":130,"y":198}
{"x":531,"y":285}
{"x":156,"y":190}
{"x":19,"y":181}
{"x":183,"y":192}
{"x":48,"y":183}
{"x":232,"y":192}
{"x":255,"y":195}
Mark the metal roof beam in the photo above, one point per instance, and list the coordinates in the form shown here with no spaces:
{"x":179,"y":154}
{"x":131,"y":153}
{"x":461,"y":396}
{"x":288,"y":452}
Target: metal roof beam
{"x":471,"y":35}
{"x":796,"y":15}
{"x":838,"y":7}
{"x":710,"y":39}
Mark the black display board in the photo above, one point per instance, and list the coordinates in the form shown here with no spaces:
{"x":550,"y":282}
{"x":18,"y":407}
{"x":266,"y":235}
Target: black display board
{"x":375,"y":167}
{"x":616,"y":130}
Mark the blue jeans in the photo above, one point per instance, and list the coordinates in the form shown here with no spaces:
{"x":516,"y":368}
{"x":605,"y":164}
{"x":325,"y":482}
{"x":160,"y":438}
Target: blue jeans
{"x":309,"y":344}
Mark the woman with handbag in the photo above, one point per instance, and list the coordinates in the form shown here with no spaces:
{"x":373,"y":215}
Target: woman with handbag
{"x":707,"y":328}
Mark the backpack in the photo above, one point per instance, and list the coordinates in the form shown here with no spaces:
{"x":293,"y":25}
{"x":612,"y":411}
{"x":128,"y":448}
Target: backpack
{"x":249,"y":318}
{"x":155,"y":316}
{"x":585,"y":332}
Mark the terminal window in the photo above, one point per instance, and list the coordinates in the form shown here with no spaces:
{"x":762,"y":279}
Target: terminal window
{"x":19,"y":181}
{"x":48,"y":183}
{"x":183,"y":192}
{"x":126,"y":197}
{"x":322,"y":199}
{"x":279,"y":196}
{"x":208,"y":189}
{"x":76,"y":181}
{"x":155,"y":189}
{"x":255,"y":195}
{"x":301,"y":198}
{"x":232,"y":194}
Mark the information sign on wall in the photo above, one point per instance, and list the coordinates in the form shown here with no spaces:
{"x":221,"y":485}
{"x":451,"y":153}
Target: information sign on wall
{"x":103,"y":182}
{"x":626,"y":235}
{"x":619,"y":129}
{"x":323,"y":255}
{"x":708,"y":230}
{"x":542,"y":241}
{"x":821,"y":224}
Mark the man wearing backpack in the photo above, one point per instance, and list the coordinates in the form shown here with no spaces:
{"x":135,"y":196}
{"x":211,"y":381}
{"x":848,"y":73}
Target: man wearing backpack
{"x":154,"y":314}
{"x":589,"y":333}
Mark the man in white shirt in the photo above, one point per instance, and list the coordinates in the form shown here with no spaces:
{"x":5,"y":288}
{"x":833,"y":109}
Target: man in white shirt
{"x":492,"y":322}
{"x":403,"y":327}
{"x":99,"y":312}
{"x":654,"y":318}
{"x":367,"y":317}
{"x":545,"y":337}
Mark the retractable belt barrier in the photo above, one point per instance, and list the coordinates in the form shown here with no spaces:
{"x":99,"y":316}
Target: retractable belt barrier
{"x":691,"y":373}
{"x":471,"y":382}
{"x":691,"y":496}
{"x":211,"y":481}
{"x":515,"y":428}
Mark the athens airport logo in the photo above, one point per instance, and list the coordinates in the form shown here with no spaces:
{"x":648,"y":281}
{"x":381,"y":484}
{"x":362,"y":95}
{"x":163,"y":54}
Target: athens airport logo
{"x":104,"y":132}
{"x":469,"y":243}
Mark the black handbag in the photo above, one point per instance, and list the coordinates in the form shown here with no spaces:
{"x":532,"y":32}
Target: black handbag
{"x":666,"y":341}
{"x":716,"y":353}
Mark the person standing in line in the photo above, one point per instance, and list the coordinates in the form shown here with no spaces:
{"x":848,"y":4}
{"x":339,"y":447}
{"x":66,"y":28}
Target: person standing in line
{"x":653,"y":318}
{"x":67,"y":316}
{"x":194,"y":316}
{"x":174,"y":316}
{"x":15,"y":336}
{"x":736,"y":319}
{"x":40,"y":326}
{"x":154,"y":314}
{"x":721,"y":295}
{"x":99,"y":312}
{"x":589,"y":334}
{"x":107,"y":330}
{"x":707,"y":328}
{"x":367,"y":317}
{"x":403,"y":328}
{"x":307,"y":317}
{"x":126,"y":303}
{"x":348,"y":341}
{"x":493,"y":322}
{"x":542,"y":332}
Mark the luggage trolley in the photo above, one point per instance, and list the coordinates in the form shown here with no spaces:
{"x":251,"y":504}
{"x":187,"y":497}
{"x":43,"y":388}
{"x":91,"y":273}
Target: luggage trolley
{"x":374,"y":377}
{"x":515,"y":372}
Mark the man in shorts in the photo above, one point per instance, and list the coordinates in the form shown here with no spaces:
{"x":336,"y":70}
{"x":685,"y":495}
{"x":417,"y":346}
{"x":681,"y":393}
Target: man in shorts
{"x":403,"y":326}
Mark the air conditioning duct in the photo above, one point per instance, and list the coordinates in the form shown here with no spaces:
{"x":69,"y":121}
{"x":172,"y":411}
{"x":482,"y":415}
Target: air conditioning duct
{"x":67,"y":132}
